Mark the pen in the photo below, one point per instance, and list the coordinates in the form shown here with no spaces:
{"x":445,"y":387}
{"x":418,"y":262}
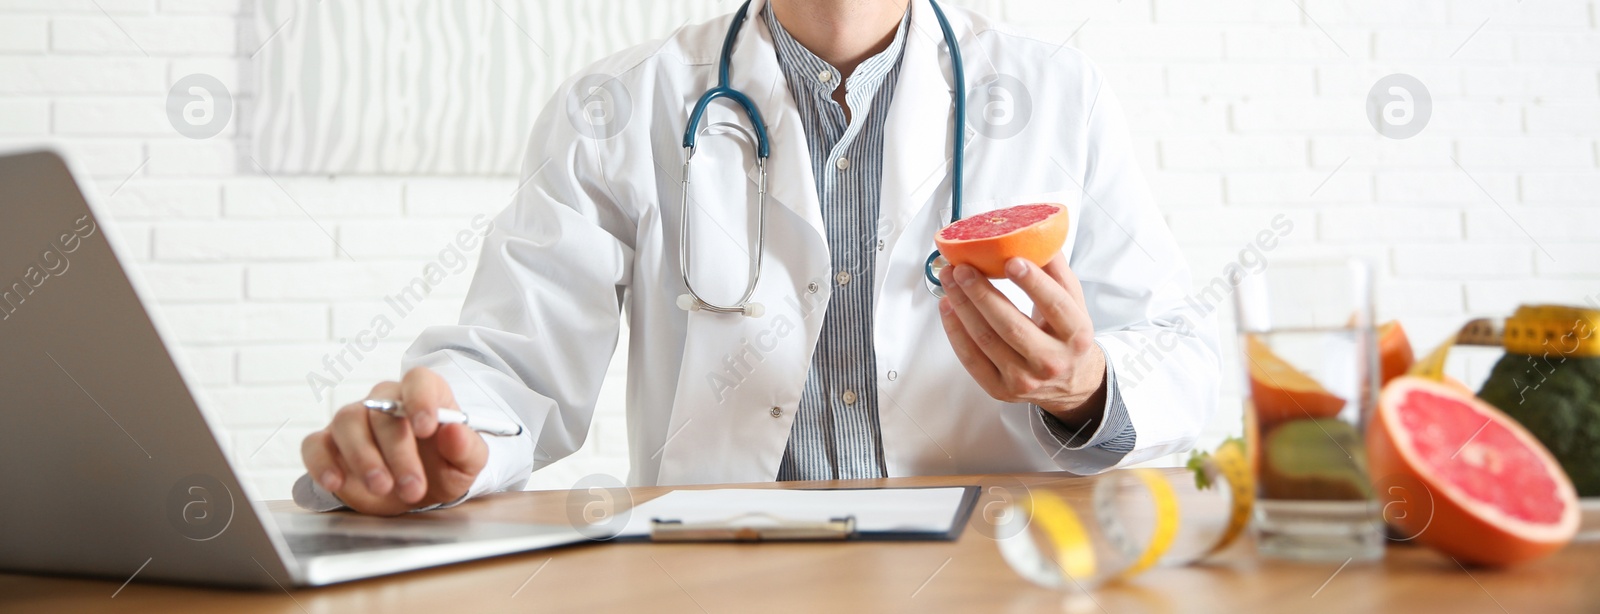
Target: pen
{"x":481,"y":424}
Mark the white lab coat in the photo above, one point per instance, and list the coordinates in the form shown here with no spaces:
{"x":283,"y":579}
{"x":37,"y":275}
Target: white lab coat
{"x":592,"y":236}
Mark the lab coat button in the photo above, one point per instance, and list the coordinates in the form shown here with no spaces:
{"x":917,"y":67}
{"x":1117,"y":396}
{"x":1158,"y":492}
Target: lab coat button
{"x":811,"y":287}
{"x":843,"y":277}
{"x":843,"y":163}
{"x":880,"y":245}
{"x":777,"y":412}
{"x":893,"y":375}
{"x":849,"y":397}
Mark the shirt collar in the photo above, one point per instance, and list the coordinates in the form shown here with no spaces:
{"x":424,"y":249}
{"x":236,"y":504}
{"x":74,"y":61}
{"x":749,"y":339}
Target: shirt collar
{"x":800,"y":65}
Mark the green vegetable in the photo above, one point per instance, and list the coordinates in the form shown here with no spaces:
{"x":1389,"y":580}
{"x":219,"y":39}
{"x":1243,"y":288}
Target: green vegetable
{"x":1197,"y":464}
{"x":1558,"y":400}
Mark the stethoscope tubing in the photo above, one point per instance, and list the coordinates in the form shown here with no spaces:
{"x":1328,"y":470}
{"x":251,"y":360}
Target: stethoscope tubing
{"x":692,"y":300}
{"x":958,"y":154}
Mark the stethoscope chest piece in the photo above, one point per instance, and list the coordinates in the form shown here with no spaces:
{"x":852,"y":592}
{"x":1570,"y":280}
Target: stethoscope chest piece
{"x":935,"y":267}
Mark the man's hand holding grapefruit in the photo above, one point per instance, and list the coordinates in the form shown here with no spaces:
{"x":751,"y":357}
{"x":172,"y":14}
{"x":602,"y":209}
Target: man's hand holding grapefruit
{"x":1048,"y":359}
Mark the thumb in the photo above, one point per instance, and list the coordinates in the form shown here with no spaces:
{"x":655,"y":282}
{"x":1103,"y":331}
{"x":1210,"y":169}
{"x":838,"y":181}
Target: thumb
{"x":461,"y":447}
{"x":460,"y":455}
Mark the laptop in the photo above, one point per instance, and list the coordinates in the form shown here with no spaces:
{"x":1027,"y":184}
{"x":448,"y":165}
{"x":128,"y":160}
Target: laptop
{"x":110,"y":465}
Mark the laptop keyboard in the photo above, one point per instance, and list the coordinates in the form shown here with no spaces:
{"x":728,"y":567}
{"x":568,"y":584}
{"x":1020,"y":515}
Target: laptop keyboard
{"x":331,"y":543}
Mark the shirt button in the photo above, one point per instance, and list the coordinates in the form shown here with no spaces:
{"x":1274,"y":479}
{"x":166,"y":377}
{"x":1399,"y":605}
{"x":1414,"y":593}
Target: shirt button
{"x":843,"y":277}
{"x":777,"y":412}
{"x":826,"y":75}
{"x":893,"y":375}
{"x":843,"y":163}
{"x":849,"y":397}
{"x":811,"y":287}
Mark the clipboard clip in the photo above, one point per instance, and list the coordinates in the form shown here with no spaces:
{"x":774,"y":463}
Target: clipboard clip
{"x":752,"y":527}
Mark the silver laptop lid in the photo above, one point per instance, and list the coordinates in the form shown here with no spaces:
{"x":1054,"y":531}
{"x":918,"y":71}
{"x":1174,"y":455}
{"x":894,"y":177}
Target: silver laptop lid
{"x":108,"y":465}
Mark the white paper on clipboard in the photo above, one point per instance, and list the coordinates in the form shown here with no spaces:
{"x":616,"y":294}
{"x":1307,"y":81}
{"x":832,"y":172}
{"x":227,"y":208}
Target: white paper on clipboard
{"x":885,"y":510}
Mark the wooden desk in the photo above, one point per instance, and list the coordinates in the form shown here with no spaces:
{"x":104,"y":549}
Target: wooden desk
{"x":967,"y":575}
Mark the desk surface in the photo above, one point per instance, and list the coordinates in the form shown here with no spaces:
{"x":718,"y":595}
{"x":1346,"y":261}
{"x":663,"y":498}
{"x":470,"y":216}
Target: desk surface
{"x":966,"y":575}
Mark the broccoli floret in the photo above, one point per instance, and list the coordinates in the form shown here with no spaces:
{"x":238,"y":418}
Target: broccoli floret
{"x":1559,"y":402}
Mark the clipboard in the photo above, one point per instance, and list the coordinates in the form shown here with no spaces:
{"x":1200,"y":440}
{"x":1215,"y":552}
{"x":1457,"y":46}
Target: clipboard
{"x":767,"y":527}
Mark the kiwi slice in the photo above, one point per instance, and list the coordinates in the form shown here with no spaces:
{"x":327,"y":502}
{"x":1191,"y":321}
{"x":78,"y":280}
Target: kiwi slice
{"x":1314,"y":459}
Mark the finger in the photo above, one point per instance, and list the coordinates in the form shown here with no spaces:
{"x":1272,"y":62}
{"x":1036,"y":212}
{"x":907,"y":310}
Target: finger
{"x":352,"y":433}
{"x":1007,"y":335}
{"x":321,"y":459}
{"x":1051,"y":299}
{"x":1083,"y":325}
{"x":385,"y":390}
{"x":973,"y":359}
{"x":463,"y":450}
{"x":399,"y":448}
{"x":976,"y":326}
{"x":1058,"y":268}
{"x":424,"y":393}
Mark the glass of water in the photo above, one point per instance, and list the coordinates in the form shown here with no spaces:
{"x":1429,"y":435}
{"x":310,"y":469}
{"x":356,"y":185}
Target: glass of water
{"x":1310,"y":361}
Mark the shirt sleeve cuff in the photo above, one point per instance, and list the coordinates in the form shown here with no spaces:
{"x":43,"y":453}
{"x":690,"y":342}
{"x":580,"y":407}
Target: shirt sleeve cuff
{"x":1113,"y":429}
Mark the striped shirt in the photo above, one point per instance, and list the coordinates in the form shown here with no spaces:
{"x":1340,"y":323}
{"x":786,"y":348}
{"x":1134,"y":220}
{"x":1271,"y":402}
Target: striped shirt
{"x":836,"y":432}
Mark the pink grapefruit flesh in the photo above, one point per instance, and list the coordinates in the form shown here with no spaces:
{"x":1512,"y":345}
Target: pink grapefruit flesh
{"x":1498,"y":496}
{"x":985,"y":241}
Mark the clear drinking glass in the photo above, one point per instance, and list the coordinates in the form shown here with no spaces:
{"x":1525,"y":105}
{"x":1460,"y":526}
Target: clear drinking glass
{"x":1311,"y":382}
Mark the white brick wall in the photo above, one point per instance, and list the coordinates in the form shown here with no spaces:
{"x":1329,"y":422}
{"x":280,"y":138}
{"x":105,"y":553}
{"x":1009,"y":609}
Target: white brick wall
{"x":1241,"y":110}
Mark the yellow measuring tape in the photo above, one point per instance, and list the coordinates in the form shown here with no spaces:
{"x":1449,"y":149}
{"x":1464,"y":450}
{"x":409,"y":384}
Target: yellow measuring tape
{"x":1553,"y":329}
{"x":1074,"y":552}
{"x":1074,"y":548}
{"x":1232,"y":462}
{"x":1167,"y":519}
{"x":1533,"y":330}
{"x":1432,"y":366}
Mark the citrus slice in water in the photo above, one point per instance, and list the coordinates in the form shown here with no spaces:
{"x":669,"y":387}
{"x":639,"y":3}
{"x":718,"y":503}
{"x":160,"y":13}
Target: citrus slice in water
{"x":1280,"y":392}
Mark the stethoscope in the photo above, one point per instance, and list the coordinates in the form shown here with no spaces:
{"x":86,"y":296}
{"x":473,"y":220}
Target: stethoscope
{"x":935,"y":263}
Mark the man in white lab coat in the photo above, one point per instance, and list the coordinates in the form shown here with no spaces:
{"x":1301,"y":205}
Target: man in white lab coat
{"x":853,"y":369}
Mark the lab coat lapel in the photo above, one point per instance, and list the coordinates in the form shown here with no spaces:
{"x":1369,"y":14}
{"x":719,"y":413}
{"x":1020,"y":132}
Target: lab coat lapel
{"x":742,"y":377}
{"x":755,"y":71}
{"x":918,"y":133}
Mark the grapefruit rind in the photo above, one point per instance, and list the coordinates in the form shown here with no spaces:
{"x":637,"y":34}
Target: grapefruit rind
{"x":1395,"y":355}
{"x":1462,"y":526}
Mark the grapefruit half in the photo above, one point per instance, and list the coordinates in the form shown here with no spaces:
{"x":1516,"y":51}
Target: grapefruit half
{"x":987,"y":240}
{"x":1498,"y":496}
